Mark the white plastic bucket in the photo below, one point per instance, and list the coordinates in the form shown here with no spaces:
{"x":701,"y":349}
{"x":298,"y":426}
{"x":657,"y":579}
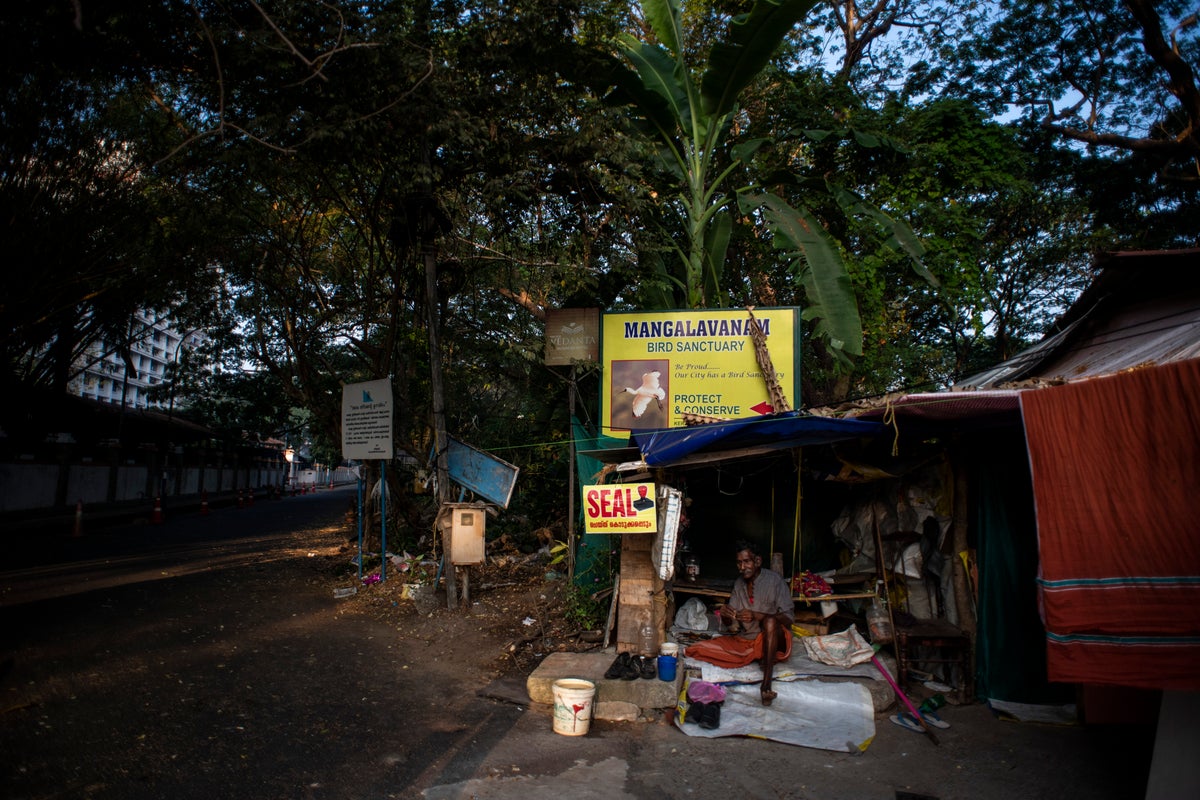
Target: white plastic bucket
{"x":669,"y":649}
{"x":573,"y":706}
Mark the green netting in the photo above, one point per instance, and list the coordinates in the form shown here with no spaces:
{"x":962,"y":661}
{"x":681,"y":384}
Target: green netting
{"x":1011,"y":643}
{"x":594,"y":560}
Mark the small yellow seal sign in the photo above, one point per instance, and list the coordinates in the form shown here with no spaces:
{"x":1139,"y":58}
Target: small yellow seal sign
{"x":621,"y":508}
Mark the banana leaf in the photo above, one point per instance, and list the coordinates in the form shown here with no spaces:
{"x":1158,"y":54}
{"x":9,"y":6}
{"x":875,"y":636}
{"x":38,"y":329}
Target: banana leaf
{"x":818,"y":265}
{"x":752,"y":41}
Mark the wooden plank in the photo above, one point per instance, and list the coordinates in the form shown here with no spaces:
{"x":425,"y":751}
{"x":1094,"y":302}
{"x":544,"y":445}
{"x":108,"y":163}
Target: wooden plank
{"x":612,"y":610}
{"x":847,"y":596}
{"x":637,"y":587}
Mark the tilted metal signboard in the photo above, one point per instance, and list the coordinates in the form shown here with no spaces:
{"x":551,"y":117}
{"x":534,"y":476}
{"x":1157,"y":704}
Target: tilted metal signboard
{"x":487,"y":476}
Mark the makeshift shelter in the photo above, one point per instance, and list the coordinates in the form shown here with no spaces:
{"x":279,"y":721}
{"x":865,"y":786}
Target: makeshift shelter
{"x":1087,"y":547}
{"x":739,"y":479}
{"x":1085,"y":526}
{"x":1111,"y":386}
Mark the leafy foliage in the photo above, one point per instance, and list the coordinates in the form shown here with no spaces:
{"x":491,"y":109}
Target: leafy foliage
{"x":582,"y":609}
{"x":928,"y":182}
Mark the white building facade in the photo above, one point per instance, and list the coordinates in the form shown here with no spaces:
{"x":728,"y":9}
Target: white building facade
{"x":156,"y":344}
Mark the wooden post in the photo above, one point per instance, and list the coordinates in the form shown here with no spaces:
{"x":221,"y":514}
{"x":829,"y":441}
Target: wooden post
{"x":571,"y":482}
{"x":964,"y":605}
{"x":887,"y":597}
{"x":439,"y":407}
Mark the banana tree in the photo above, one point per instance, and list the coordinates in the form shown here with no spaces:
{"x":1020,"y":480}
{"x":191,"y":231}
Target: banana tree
{"x":690,"y":120}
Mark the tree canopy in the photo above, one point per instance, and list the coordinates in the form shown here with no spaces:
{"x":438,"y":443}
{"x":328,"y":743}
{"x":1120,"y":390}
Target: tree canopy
{"x":929,"y":182}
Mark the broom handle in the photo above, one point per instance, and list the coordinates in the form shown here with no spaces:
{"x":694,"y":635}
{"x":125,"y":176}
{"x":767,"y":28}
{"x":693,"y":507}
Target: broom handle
{"x":900,"y":693}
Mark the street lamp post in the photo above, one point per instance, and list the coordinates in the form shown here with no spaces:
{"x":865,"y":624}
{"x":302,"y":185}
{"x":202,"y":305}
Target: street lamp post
{"x":290,"y":456}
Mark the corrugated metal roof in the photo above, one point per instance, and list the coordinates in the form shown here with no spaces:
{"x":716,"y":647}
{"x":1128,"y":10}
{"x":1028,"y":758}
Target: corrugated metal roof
{"x":1143,"y":309}
{"x":1147,"y":334}
{"x":1018,"y":366}
{"x":952,"y":406}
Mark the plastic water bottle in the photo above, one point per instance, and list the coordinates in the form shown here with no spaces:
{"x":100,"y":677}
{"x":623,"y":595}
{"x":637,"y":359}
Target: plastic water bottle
{"x":879,"y":624}
{"x":648,"y":643}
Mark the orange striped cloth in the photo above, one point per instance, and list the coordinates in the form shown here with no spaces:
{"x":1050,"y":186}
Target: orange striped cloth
{"x":1116,"y":474}
{"x":731,"y":652}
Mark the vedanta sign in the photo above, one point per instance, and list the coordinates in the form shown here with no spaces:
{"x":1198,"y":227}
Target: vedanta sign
{"x":572,"y":334}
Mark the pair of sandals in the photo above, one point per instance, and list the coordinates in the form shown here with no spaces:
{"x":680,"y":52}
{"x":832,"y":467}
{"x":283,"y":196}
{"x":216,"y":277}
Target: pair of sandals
{"x":706,"y":715}
{"x":908,"y":721}
{"x":628,"y":667}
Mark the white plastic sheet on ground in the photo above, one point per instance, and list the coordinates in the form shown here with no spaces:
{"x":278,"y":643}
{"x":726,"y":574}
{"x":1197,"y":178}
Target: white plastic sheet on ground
{"x":825,"y":716}
{"x":796,"y":667}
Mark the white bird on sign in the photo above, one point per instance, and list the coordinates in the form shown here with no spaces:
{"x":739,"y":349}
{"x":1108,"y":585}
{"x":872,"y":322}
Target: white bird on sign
{"x":642,"y":395}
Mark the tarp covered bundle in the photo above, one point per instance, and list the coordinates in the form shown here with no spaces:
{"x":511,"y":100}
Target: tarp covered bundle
{"x":1116,"y":476}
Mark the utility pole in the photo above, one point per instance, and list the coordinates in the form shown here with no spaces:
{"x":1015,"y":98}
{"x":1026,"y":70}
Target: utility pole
{"x":571,"y":481}
{"x":429,"y":252}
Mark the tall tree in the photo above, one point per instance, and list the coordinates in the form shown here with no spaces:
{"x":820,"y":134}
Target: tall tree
{"x":94,"y":228}
{"x":1117,"y":77}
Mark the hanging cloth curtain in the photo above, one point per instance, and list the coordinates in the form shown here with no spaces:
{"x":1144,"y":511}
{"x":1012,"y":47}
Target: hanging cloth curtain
{"x":1116,"y":478}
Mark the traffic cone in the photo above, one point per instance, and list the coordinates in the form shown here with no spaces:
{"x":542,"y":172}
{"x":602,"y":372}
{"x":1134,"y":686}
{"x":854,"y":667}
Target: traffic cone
{"x":204,"y":503}
{"x":78,"y":519}
{"x":249,"y":497}
{"x":157,"y":516}
{"x":241,"y":500}
{"x":331,"y":480}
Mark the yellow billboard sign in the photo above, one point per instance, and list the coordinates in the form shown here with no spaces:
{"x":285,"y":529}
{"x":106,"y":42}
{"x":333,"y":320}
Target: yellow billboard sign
{"x":662,"y":365}
{"x":620,"y":508}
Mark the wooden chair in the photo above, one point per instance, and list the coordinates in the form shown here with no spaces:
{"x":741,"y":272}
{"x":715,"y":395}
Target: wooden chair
{"x":953,"y":643}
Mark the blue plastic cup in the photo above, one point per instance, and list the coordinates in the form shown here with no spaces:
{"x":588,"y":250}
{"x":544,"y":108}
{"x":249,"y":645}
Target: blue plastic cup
{"x":666,"y":668}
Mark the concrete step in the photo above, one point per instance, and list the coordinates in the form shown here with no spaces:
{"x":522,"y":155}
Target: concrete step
{"x":615,"y":699}
{"x":626,"y":700}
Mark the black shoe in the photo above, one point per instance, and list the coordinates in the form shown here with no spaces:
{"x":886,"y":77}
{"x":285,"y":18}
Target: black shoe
{"x":632,"y":670}
{"x":617,"y":669}
{"x":695,"y":713}
{"x":710,"y":718}
{"x":649,"y":667}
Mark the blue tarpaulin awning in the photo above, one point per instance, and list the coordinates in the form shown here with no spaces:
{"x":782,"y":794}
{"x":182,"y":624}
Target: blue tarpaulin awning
{"x":668,"y":446}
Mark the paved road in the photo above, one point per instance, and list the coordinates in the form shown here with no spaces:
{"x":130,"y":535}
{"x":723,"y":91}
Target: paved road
{"x":206,"y":658}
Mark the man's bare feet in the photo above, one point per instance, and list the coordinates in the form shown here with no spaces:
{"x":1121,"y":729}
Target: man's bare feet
{"x":768,"y":696}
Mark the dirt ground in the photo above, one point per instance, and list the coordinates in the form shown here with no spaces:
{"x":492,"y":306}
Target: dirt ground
{"x":515,"y":616}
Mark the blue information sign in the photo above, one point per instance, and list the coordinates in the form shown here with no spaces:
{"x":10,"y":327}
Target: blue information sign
{"x":487,"y":476}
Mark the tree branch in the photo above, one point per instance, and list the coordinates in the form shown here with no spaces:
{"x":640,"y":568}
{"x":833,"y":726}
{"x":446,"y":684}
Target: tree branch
{"x":526,"y":302}
{"x":1182,"y":81}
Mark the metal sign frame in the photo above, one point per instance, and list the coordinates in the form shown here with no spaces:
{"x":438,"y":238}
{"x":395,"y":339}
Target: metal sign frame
{"x":482,"y":473}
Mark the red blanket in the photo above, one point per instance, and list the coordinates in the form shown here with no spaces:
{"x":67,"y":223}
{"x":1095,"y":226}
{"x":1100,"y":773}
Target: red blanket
{"x":734,"y":651}
{"x":1116,"y":478}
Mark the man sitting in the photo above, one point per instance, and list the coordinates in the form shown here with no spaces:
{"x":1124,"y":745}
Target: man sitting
{"x":759,"y":614}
